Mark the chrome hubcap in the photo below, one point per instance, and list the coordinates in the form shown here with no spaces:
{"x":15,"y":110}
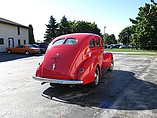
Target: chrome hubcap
{"x":96,"y":76}
{"x":27,"y":52}
{"x":112,"y":65}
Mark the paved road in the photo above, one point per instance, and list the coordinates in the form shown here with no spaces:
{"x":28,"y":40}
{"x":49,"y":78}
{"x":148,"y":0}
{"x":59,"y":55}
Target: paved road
{"x":130,"y":90}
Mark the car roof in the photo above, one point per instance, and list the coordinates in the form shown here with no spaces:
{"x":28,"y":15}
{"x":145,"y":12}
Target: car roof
{"x":78,"y":36}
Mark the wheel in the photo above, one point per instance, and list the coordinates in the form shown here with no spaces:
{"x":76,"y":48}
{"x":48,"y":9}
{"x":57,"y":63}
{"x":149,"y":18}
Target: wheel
{"x":96,"y":77}
{"x":27,"y":52}
{"x":112,"y":65}
{"x":9,"y":51}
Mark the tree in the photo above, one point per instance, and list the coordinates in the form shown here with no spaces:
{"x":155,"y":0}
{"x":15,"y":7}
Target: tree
{"x":145,"y":26}
{"x":31,"y":34}
{"x":110,"y":39}
{"x":55,"y":29}
{"x":124,"y":35}
{"x":153,"y":2}
{"x":84,"y":27}
{"x":51,"y":31}
{"x":64,"y":26}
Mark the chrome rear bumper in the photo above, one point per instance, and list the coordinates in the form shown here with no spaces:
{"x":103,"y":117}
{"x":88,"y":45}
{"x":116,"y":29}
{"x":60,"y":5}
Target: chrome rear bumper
{"x":56,"y":81}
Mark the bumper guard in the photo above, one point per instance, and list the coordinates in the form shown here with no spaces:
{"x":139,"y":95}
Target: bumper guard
{"x":56,"y":81}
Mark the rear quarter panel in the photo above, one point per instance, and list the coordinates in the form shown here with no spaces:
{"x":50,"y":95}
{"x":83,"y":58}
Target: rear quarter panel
{"x":88,"y":66}
{"x":107,"y":58}
{"x":92,"y":57}
{"x":12,"y":49}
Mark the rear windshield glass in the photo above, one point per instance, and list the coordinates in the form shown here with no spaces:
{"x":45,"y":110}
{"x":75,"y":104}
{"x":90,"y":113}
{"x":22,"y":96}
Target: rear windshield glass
{"x":69,"y":41}
{"x":59,"y":42}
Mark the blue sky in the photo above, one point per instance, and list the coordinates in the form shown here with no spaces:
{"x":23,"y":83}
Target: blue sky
{"x":114,"y":14}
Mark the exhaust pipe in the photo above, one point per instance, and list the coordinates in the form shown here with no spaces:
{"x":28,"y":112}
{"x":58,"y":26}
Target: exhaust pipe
{"x":43,"y":83}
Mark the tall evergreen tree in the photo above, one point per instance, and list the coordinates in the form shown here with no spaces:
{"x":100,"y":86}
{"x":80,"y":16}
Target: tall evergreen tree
{"x":31,"y":34}
{"x":51,"y":31}
{"x":55,"y":29}
{"x":64,"y":26}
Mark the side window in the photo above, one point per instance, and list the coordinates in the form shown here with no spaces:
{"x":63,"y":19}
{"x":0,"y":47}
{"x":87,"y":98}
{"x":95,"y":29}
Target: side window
{"x":98,"y":42}
{"x":20,"y":46}
{"x":92,"y":43}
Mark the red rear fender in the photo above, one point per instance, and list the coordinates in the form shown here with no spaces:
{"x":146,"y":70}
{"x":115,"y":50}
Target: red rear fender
{"x":39,"y":70}
{"x":86,"y":72}
{"x":107,"y":59}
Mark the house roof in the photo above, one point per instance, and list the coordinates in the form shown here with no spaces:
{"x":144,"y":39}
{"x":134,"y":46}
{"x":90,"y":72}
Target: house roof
{"x":2,"y":20}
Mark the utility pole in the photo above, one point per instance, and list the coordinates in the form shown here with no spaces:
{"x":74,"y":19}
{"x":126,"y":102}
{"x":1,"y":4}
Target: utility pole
{"x":104,"y":30}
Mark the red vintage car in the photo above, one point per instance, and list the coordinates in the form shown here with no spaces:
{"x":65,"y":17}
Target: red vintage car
{"x":77,"y":58}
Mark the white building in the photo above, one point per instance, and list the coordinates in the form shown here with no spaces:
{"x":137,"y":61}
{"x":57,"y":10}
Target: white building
{"x":12,"y":34}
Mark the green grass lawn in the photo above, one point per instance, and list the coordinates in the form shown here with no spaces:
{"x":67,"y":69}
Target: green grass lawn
{"x":133,"y":51}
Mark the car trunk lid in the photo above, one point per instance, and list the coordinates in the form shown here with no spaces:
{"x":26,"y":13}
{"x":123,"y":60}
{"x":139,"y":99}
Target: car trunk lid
{"x":58,"y":61}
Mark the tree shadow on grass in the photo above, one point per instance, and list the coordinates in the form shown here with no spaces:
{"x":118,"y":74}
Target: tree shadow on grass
{"x":117,"y":90}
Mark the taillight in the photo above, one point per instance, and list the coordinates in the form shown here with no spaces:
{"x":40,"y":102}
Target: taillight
{"x":38,"y":68}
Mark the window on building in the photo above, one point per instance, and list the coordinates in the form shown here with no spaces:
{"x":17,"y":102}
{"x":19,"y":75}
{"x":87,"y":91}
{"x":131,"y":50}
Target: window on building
{"x":1,"y":41}
{"x":24,"y":42}
{"x":19,"y":42}
{"x":18,"y":30}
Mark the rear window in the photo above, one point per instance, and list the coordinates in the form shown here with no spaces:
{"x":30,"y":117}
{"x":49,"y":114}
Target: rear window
{"x":69,"y":41}
{"x":59,"y":42}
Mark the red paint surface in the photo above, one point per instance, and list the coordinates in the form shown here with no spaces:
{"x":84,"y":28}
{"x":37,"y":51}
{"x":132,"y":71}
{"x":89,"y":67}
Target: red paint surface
{"x":64,"y":61}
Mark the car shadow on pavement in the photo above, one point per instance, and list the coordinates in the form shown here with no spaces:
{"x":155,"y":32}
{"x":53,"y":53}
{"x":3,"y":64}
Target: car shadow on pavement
{"x":117,"y":90}
{"x":9,"y":57}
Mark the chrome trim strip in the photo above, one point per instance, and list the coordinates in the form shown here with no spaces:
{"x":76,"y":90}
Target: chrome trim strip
{"x":57,"y":81}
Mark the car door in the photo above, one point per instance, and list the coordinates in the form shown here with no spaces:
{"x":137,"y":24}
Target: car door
{"x":92,"y":46}
{"x":16,"y":49}
{"x":99,"y":50}
{"x":20,"y":49}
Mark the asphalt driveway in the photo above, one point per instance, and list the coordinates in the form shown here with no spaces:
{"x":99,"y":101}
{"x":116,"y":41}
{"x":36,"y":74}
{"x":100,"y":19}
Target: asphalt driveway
{"x":130,"y":90}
